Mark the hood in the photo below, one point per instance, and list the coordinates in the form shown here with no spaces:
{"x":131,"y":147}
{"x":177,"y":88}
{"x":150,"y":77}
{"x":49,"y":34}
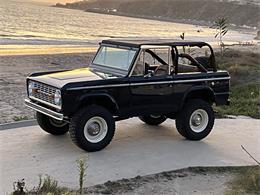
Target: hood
{"x":60,"y":79}
{"x":77,"y":74}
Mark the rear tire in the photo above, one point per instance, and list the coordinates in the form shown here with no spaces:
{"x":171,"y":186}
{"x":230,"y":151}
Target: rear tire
{"x":51,"y":125}
{"x":196,"y":120}
{"x":153,"y":119}
{"x":92,"y":128}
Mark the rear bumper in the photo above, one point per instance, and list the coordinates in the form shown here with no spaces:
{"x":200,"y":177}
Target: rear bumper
{"x":43,"y":110}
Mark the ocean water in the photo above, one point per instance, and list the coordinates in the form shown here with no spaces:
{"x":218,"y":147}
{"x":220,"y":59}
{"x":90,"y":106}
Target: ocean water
{"x":24,"y":23}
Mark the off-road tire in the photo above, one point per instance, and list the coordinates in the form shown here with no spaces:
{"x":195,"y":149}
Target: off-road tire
{"x":183,"y":119}
{"x":153,"y":121}
{"x":47,"y":125}
{"x":80,"y":119}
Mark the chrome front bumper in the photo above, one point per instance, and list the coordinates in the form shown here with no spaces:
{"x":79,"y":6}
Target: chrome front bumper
{"x":43,"y":110}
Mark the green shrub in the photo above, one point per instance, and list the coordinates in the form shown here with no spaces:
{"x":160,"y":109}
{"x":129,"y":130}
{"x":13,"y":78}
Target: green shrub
{"x":20,"y":118}
{"x":244,"y":69}
{"x":48,"y":185}
{"x":245,"y":100}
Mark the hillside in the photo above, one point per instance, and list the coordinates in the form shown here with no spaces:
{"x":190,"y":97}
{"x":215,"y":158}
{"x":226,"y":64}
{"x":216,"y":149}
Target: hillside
{"x":238,"y":12}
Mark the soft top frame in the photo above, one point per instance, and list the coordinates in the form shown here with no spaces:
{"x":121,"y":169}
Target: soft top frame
{"x":138,"y":43}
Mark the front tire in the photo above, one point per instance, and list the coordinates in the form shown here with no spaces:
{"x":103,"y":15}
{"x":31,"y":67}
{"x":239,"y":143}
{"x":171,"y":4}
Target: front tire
{"x":92,"y":128}
{"x":51,"y":125}
{"x":196,"y":120}
{"x":153,"y":119}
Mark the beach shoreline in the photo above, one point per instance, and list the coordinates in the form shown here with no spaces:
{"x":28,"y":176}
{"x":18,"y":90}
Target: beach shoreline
{"x":82,"y":29}
{"x":199,"y":23}
{"x":21,"y":50}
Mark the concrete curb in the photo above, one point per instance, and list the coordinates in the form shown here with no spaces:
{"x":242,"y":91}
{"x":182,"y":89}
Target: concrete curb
{"x":14,"y":125}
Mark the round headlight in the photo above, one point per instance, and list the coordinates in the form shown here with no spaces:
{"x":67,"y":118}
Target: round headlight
{"x":31,"y":87}
{"x":57,"y":97}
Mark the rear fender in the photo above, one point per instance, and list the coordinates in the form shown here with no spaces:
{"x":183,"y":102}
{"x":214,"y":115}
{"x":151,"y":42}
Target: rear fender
{"x":199,"y":92}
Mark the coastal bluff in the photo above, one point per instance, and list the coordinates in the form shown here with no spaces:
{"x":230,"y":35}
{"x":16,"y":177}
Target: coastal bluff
{"x":239,"y":13}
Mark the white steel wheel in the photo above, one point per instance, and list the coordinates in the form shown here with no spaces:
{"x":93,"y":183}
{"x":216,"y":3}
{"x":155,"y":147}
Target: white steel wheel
{"x":199,"y":120}
{"x":95,"y":129}
{"x":92,"y":128}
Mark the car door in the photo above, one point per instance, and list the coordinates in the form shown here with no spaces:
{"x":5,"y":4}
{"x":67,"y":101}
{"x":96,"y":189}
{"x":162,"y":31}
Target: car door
{"x":151,"y":93}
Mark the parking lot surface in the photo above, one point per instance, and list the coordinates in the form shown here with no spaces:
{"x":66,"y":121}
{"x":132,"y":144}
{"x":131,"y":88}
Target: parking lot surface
{"x":137,"y":149}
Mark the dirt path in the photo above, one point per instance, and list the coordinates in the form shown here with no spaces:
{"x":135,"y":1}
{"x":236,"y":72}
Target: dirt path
{"x":197,"y":181}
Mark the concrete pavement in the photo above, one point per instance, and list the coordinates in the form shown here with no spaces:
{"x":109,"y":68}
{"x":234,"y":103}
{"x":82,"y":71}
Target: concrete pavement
{"x":137,"y":149}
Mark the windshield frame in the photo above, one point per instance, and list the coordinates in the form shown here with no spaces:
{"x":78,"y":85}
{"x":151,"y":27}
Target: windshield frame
{"x":114,"y":70}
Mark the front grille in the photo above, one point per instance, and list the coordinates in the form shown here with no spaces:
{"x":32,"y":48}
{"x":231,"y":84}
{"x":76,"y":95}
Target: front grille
{"x":44,"y":92}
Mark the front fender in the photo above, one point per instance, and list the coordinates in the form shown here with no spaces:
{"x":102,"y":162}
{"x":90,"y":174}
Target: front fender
{"x":104,"y":99}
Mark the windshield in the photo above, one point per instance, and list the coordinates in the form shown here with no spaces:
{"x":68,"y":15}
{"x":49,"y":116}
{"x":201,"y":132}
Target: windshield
{"x":111,"y":57}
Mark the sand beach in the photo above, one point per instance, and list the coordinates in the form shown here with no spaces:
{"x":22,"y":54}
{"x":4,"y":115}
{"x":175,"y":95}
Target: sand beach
{"x":13,"y":72}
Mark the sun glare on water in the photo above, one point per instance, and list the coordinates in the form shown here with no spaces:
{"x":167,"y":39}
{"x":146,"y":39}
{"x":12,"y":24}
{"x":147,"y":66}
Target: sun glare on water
{"x":32,"y":28}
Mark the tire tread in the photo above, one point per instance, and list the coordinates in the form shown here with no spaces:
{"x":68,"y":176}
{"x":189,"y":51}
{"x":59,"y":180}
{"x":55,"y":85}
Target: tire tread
{"x":182,"y":120}
{"x":44,"y":123}
{"x":75,"y":127}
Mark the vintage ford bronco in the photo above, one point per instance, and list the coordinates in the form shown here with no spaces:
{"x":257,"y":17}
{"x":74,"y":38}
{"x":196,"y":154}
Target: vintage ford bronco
{"x":150,"y":79}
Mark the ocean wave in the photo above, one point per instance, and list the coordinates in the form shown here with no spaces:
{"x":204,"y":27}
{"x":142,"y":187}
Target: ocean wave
{"x":29,"y":24}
